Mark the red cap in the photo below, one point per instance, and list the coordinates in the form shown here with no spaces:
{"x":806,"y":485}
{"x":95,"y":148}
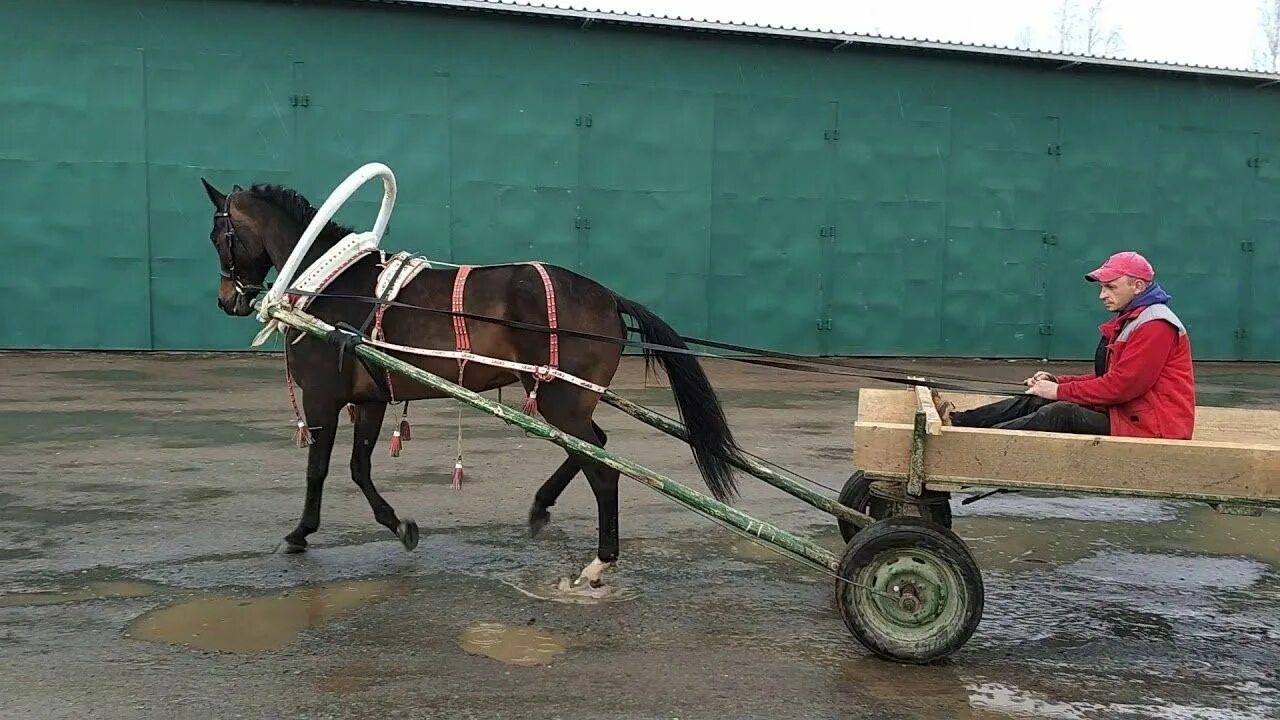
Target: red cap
{"x":1123,"y":263}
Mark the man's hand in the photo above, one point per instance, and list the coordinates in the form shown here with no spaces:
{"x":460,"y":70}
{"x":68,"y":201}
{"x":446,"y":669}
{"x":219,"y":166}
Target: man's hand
{"x":1042,"y":375}
{"x":1046,"y":389}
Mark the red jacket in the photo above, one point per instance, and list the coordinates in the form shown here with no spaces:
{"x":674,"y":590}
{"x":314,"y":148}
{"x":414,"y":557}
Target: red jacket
{"x":1147,"y":387}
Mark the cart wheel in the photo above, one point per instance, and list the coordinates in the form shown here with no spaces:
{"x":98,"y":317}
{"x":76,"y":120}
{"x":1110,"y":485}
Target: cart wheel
{"x":856,"y":494}
{"x":928,"y":594}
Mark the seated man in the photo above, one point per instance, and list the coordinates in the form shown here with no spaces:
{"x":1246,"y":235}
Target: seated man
{"x":1142,"y":384}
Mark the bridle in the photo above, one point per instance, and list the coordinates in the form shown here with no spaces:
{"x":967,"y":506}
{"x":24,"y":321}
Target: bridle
{"x":229,"y":236}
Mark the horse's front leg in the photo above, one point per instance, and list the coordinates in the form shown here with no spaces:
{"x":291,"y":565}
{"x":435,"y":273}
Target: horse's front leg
{"x":369,"y":418}
{"x":322,"y":419}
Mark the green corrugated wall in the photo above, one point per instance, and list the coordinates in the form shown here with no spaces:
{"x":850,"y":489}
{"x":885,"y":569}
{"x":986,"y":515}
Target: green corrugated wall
{"x":766,"y":193}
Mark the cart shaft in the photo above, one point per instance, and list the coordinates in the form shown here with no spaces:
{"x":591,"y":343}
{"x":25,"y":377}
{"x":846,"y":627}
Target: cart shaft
{"x":783,"y":481}
{"x":804,"y":550}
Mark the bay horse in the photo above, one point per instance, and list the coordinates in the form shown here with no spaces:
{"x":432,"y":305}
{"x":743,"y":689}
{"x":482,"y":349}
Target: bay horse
{"x":255,"y":230}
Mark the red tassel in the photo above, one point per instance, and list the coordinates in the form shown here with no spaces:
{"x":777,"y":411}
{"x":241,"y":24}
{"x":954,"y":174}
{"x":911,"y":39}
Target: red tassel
{"x":456,"y":478}
{"x":404,"y":430}
{"x":395,"y":444}
{"x":351,"y":413}
{"x":302,"y":435}
{"x":531,"y":402}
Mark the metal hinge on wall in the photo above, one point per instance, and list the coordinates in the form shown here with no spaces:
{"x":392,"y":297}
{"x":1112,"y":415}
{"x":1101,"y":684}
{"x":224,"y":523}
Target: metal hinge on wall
{"x":1241,"y":333}
{"x":827,"y":231}
{"x":300,"y":100}
{"x":1046,"y":329}
{"x":1049,"y":239}
{"x":1055,"y":149}
{"x":584,"y":120}
{"x":1253,"y":162}
{"x":824,"y":323}
{"x":582,"y":223}
{"x":1246,"y":246}
{"x":832,"y":134}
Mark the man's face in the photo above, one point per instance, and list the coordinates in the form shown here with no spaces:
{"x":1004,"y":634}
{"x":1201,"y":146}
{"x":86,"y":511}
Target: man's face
{"x":1118,"y":293}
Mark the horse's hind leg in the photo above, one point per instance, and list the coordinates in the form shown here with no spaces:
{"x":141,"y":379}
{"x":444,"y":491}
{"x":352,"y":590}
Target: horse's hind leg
{"x":368,"y":425}
{"x":322,"y":418}
{"x":550,"y":491}
{"x":564,"y":408}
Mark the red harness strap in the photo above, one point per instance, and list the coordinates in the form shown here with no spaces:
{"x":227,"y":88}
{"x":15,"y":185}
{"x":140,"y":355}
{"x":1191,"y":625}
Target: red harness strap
{"x":554,"y":359}
{"x":463,"y":341}
{"x":460,"y":323}
{"x":543,"y":374}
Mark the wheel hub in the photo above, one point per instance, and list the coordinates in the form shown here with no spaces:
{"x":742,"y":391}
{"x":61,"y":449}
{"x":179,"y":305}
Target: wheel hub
{"x":911,"y":591}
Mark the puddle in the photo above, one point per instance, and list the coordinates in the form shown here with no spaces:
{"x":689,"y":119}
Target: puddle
{"x":526,"y":646}
{"x":748,"y":550}
{"x":1024,"y":543}
{"x":256,"y":623}
{"x":92,"y":591}
{"x":1004,"y":700}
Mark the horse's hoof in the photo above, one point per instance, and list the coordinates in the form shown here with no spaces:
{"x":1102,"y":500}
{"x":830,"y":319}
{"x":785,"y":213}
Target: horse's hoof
{"x":538,"y":519}
{"x":407,"y":531}
{"x":292,"y":547}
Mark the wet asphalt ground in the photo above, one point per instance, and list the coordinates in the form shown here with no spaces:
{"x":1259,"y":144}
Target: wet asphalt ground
{"x":143,"y":497}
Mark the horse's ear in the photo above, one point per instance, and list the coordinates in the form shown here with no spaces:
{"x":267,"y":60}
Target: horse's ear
{"x":215,"y":197}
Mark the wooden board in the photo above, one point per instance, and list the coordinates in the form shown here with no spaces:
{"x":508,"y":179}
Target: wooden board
{"x":1213,"y":424}
{"x":924,"y":403}
{"x":1213,"y":470}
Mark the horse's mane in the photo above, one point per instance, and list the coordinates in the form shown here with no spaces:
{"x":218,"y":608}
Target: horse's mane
{"x":297,"y":207}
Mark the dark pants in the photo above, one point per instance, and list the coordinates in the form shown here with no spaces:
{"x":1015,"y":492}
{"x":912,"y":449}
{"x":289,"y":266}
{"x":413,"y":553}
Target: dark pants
{"x":1028,"y":412}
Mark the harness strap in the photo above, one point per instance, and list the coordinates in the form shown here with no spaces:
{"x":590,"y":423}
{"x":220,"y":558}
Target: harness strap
{"x":461,"y":338}
{"x":553,"y":360}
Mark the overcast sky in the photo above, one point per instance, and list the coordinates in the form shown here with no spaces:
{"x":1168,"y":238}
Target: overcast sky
{"x":1221,"y":33}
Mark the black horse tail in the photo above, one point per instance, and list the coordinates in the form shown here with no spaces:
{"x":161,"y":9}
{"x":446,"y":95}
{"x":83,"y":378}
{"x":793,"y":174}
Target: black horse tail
{"x":708,"y":431}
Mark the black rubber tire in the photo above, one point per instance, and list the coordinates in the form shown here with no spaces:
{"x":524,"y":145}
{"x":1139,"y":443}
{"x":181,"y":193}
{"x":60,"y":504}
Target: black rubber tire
{"x":880,"y":542}
{"x":856,"y":494}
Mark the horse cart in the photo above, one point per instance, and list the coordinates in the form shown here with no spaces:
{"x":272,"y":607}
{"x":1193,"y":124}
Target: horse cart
{"x":906,"y":585}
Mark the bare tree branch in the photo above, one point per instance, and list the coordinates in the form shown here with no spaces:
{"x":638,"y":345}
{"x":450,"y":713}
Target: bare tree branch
{"x":1097,"y":39}
{"x":1087,"y":33}
{"x":1024,"y":39}
{"x":1065,"y":20}
{"x":1267,"y":55}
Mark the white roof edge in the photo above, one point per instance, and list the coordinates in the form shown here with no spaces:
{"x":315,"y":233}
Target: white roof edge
{"x":840,"y":39}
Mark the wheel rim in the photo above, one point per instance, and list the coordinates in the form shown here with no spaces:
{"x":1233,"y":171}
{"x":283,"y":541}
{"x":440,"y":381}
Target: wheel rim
{"x":910,"y":595}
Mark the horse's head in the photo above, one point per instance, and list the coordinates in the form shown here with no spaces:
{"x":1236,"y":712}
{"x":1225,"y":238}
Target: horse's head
{"x":244,"y":261}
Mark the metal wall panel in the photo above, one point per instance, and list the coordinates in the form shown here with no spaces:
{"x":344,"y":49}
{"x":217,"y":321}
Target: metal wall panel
{"x":73,"y":197}
{"x":954,"y":213}
{"x":1104,"y":202}
{"x":999,"y":208}
{"x":1262,"y":331}
{"x":770,"y":189}
{"x":645,"y":197}
{"x":1202,"y":185}
{"x":344,"y":121}
{"x":226,"y":118}
{"x":514,"y":169}
{"x":887,"y":256}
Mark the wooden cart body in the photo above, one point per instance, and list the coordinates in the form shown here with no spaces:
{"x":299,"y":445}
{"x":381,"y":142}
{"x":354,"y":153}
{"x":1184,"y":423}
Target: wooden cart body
{"x":1233,"y":459}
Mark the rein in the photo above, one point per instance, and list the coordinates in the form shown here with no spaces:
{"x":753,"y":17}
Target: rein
{"x":767,"y":358}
